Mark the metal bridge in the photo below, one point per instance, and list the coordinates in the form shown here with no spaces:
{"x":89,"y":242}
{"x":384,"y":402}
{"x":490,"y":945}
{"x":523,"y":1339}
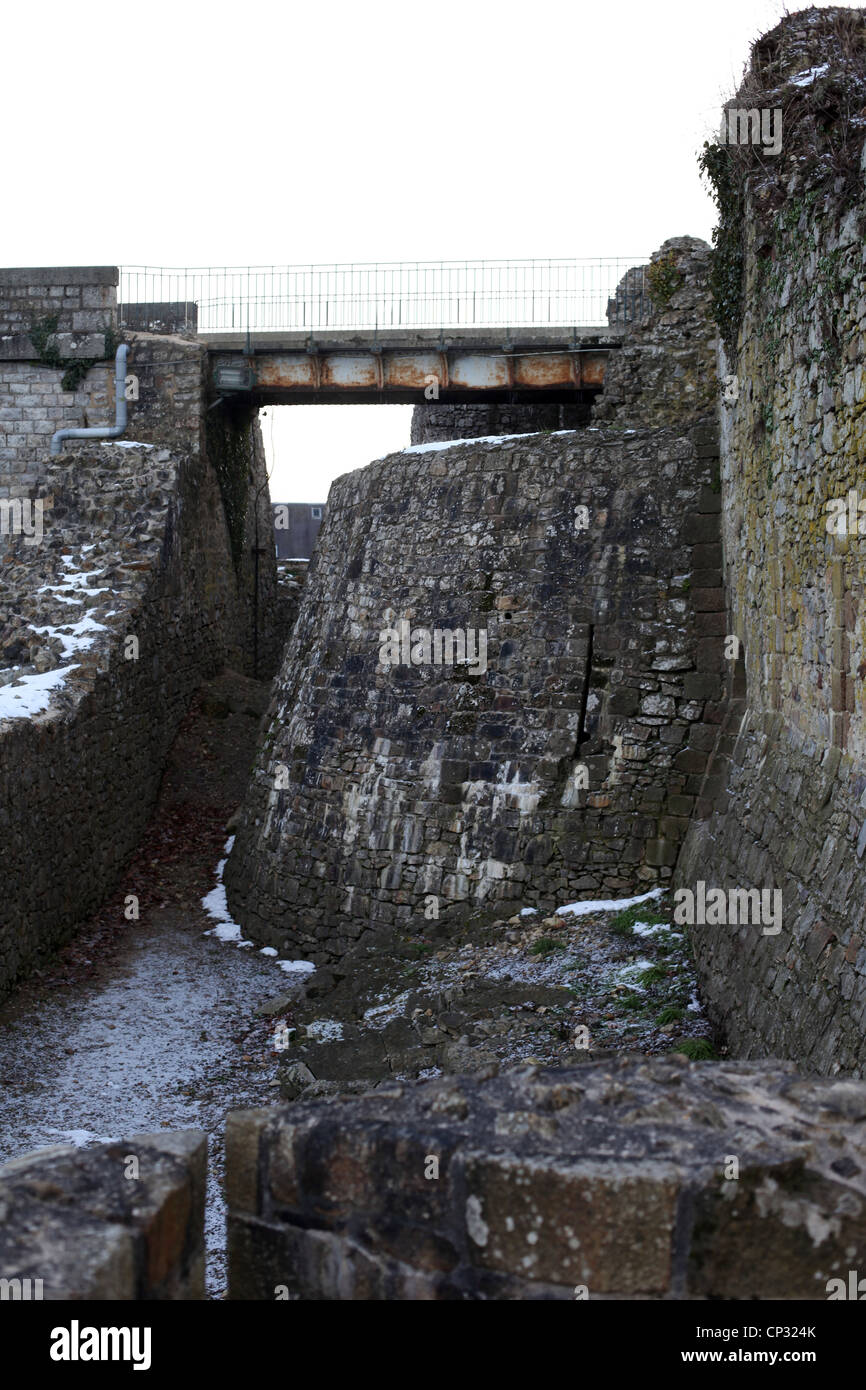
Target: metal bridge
{"x":455,"y":330}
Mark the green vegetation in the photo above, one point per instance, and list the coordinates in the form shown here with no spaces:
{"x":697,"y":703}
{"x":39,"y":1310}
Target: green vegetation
{"x":726,"y":271}
{"x":230,"y":449}
{"x":417,"y":950}
{"x":670,"y":1014}
{"x":623,"y":922}
{"x":43,"y":334}
{"x":653,"y":975}
{"x":664,"y":279}
{"x":635,"y":1002}
{"x":544,"y":945}
{"x":697,"y":1049}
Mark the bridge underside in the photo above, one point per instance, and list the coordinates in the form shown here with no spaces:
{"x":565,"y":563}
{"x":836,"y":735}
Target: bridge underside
{"x":405,"y":367}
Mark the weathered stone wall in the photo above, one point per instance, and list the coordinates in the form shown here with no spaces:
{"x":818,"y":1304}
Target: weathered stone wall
{"x":665,"y":370}
{"x":135,"y":545}
{"x":435,"y":420}
{"x":235,"y":448}
{"x":83,"y":299}
{"x":794,"y":439}
{"x":378,"y":785}
{"x":82,"y":303}
{"x":121,"y":1221}
{"x":164,"y":538}
{"x":606,"y":1180}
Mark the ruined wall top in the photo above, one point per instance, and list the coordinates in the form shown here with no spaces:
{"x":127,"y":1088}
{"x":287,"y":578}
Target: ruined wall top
{"x":665,"y":372}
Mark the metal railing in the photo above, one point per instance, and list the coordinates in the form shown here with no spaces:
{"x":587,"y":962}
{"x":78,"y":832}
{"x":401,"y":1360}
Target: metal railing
{"x":429,"y":295}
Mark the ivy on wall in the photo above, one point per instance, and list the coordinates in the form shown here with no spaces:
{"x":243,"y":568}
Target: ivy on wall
{"x":229,"y":448}
{"x":728,"y":259}
{"x":43,"y":336}
{"x":664,"y":279}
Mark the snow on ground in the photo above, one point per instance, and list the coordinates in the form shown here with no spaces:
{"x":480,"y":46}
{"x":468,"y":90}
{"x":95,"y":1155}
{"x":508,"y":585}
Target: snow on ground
{"x":606,"y":905}
{"x":31,"y":695}
{"x":80,"y":1137}
{"x":653,"y":929}
{"x":381,"y":1014}
{"x":630,"y":974}
{"x":75,"y":581}
{"x":216,"y":906}
{"x":325,"y":1030}
{"x":76,"y":639}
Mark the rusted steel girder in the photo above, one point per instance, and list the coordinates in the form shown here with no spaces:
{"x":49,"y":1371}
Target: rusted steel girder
{"x":410,"y":374}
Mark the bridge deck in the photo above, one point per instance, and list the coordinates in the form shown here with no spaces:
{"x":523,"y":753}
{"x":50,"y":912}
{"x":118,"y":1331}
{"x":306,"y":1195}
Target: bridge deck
{"x":406,"y":365}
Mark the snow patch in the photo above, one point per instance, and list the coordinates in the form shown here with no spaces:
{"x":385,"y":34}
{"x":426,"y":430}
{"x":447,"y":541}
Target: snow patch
{"x":805,"y":79}
{"x":381,"y":1014}
{"x":30,"y":696}
{"x":216,"y":906}
{"x":80,"y":1137}
{"x":77,"y":638}
{"x":435,"y":445}
{"x":325,"y":1030}
{"x":607,"y":905}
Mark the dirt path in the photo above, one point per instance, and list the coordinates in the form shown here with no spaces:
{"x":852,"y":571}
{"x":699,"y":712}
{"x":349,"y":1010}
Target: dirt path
{"x":139,"y":1025}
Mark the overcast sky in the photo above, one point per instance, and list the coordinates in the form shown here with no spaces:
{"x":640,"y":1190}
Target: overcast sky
{"x":191,"y":134}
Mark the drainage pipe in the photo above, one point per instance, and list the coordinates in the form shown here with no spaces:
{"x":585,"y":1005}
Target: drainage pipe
{"x":103,"y":431}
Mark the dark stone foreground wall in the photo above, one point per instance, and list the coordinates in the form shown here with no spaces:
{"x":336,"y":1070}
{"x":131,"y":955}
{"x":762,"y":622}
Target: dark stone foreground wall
{"x":120,"y":1222}
{"x":606,"y":1180}
{"x":380,"y":785}
{"x":794,"y":440}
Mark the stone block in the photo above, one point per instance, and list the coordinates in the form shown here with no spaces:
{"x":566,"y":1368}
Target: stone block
{"x":603,"y":1225}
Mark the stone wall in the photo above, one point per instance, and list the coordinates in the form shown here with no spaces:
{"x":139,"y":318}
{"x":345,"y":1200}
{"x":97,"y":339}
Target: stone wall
{"x":134,"y":546}
{"x":665,"y":370}
{"x":83,"y":299}
{"x":636,"y":1178}
{"x":132,"y":570}
{"x":80,"y":303}
{"x":235,"y":449}
{"x":152,"y":565}
{"x":121,"y":1221}
{"x":794,"y":439}
{"x":572,"y":764}
{"x":435,"y":420}
{"x":379,"y":785}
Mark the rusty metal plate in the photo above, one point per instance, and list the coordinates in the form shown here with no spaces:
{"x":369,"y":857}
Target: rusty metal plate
{"x":478,"y":372}
{"x":350,"y":371}
{"x":544,"y":370}
{"x":403,"y":371}
{"x":412,"y":370}
{"x":592,"y":368}
{"x":285,"y":372}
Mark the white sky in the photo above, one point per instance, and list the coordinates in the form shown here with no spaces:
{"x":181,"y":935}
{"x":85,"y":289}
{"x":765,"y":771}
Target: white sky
{"x":212,"y":134}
